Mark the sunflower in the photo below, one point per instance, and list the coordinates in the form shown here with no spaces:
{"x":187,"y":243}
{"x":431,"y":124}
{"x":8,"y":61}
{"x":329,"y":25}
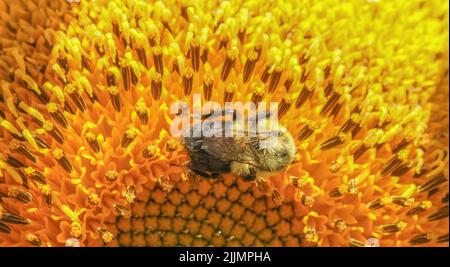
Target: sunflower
{"x":86,"y":152}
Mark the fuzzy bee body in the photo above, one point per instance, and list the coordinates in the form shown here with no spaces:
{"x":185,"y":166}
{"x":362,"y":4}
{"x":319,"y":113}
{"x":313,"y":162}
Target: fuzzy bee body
{"x":242,"y":154}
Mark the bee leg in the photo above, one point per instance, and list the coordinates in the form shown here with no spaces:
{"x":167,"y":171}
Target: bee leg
{"x":246,"y":171}
{"x":201,"y":173}
{"x":250,"y":176}
{"x":215,"y":175}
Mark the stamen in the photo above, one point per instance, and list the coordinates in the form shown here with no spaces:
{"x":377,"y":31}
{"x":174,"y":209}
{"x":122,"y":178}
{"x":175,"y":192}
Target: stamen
{"x":265,"y":75}
{"x":303,"y":59}
{"x":175,"y":67}
{"x":433,"y":183}
{"x":333,"y":142}
{"x":62,"y":61}
{"x":420,"y":239}
{"x":35,"y":175}
{"x":142,"y":112}
{"x":167,"y":26}
{"x":351,"y":123}
{"x":150,"y":151}
{"x":392,"y":228}
{"x":130,"y":194}
{"x":310,"y":234}
{"x":360,"y":151}
{"x":99,"y":50}
{"x":58,"y":116}
{"x":297,"y":182}
{"x":75,"y":96}
{"x":62,"y":160}
{"x":241,"y":35}
{"x":5,"y":228}
{"x":194,"y":179}
{"x":153,"y":40}
{"x":13,"y":162}
{"x":122,"y":211}
{"x":307,"y":130}
{"x":340,"y":225}
{"x":440,"y":214}
{"x":68,"y":108}
{"x":274,"y":79}
{"x":433,"y":191}
{"x":111,"y":175}
{"x":223,"y":43}
{"x":284,"y":106}
{"x":142,"y":56}
{"x":126,"y":73}
{"x":33,"y":240}
{"x":330,"y":103}
{"x":327,"y":71}
{"x":116,"y":29}
{"x":53,"y":131}
{"x":158,"y":59}
{"x":8,"y":217}
{"x":328,"y":88}
{"x":304,"y":76}
{"x":419,"y":208}
{"x":208,"y":83}
{"x":262,"y":185}
{"x":188,"y":80}
{"x":128,"y":137}
{"x":402,"y":201}
{"x":92,"y":141}
{"x":443,"y":238}
{"x":171,"y":145}
{"x":156,"y":85}
{"x":308,"y":200}
{"x":258,"y":95}
{"x":376,"y":204}
{"x":195,"y":54}
{"x":166,"y":183}
{"x":356,"y":243}
{"x":115,"y":98}
{"x":228,"y":65}
{"x":111,"y":78}
{"x":336,"y":110}
{"x":392,"y":164}
{"x":401,"y":169}
{"x":353,"y":186}
{"x":288,"y":83}
{"x":204,"y":55}
{"x":86,"y":63}
{"x":404,"y":143}
{"x":20,"y":195}
{"x":249,"y":66}
{"x":93,"y":199}
{"x":276,"y":197}
{"x":338,"y":191}
{"x":107,"y":237}
{"x":61,"y":75}
{"x":306,"y":94}
{"x":184,"y":13}
{"x":229,"y":92}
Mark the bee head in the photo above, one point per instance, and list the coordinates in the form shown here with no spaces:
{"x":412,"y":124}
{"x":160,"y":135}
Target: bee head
{"x":278,"y":152}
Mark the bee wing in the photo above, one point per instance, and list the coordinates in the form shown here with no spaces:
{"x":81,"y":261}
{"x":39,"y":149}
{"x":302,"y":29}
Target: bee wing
{"x":228,"y":149}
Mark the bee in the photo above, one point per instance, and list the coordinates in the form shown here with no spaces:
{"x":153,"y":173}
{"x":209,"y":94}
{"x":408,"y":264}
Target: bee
{"x":246,"y":154}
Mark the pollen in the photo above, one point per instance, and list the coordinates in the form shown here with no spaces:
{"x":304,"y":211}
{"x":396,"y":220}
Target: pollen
{"x":85,"y":113}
